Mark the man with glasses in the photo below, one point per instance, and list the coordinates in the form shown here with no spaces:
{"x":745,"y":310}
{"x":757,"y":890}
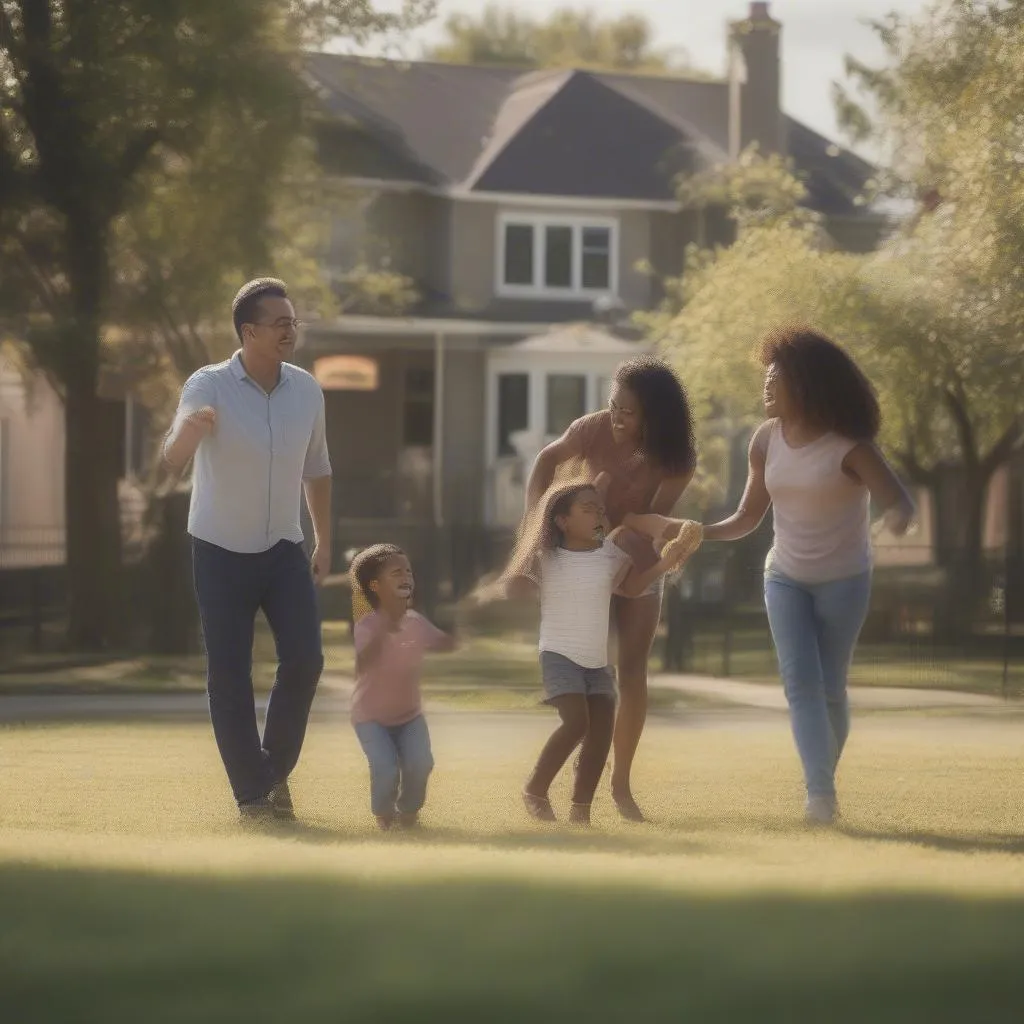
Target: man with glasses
{"x":255,"y":425}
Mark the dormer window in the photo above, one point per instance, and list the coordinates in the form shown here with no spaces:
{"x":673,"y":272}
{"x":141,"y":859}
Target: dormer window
{"x":556,"y":257}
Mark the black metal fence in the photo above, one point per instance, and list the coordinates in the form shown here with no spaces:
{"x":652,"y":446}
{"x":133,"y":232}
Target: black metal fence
{"x":924,"y":628}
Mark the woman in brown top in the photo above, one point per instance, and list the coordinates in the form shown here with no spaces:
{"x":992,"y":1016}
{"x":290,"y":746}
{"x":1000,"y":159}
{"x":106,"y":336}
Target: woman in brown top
{"x":643,"y":449}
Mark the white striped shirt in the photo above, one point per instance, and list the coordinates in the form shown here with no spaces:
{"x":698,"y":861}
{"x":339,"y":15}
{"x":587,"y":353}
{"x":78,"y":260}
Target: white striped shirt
{"x":247,"y":479}
{"x":575,"y":601}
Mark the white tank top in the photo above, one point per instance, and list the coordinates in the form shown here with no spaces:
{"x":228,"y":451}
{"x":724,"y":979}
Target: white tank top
{"x":822,"y":517}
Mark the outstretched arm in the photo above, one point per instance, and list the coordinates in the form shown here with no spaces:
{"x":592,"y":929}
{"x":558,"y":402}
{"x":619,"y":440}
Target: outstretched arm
{"x":568,"y":446}
{"x":867,"y":464}
{"x":755,"y":501}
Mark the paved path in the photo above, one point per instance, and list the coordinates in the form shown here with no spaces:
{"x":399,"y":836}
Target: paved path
{"x":333,"y":699}
{"x":770,"y":696}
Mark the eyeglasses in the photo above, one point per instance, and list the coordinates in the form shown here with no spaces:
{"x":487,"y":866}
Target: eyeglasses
{"x":282,"y":323}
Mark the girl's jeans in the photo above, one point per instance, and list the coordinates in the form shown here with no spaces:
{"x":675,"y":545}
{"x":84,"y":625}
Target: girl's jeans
{"x":400,"y":765}
{"x":815,"y":628}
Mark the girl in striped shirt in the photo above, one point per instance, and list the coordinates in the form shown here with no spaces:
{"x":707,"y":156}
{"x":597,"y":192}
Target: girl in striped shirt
{"x":577,"y":568}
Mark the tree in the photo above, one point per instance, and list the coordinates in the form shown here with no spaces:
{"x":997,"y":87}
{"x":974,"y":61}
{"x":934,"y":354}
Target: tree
{"x":565,"y":38}
{"x":780,"y":268}
{"x":945,"y":302}
{"x":133,"y":133}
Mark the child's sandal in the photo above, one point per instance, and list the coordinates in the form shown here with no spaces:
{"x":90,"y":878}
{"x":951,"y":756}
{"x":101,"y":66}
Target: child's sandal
{"x":538,"y":807}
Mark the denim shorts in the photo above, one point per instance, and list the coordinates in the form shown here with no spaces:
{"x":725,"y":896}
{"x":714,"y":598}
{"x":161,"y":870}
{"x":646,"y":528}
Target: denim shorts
{"x":562,"y":677}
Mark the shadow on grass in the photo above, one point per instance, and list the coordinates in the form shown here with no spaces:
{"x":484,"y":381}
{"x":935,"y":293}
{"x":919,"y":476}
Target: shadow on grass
{"x":118,"y":948}
{"x":560,"y":838}
{"x":937,"y":841}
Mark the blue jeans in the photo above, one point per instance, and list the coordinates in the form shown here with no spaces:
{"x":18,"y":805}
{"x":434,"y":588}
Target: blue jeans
{"x":231,"y":589}
{"x":400,"y":765}
{"x":815,"y":628}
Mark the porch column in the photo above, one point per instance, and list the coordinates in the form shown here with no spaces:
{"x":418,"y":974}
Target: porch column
{"x":438,"y":445}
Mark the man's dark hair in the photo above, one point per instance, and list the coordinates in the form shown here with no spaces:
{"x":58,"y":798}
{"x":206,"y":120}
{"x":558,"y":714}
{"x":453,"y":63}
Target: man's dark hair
{"x":829,"y":389}
{"x":246,"y":307}
{"x":366,"y":567}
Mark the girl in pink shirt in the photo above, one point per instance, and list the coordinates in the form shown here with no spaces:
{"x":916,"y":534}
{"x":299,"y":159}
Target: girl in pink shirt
{"x":387,"y":710}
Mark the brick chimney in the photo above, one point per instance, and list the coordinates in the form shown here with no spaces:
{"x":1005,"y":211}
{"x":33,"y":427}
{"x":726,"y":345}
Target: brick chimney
{"x":755,"y":83}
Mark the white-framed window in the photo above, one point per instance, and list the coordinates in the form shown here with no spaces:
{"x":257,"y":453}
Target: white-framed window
{"x":557,"y":257}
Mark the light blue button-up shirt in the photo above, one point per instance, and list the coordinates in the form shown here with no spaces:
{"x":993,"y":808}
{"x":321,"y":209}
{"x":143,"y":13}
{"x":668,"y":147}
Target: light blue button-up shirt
{"x":248,"y":473}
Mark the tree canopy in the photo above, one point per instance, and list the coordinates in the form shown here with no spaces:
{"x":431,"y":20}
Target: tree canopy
{"x":936,"y":316}
{"x":566,"y":37}
{"x":152,"y":156}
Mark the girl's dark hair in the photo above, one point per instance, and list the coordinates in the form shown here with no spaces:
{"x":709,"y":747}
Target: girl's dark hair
{"x":668,"y":440}
{"x":827,"y":386}
{"x":367,"y":566}
{"x":541,"y":532}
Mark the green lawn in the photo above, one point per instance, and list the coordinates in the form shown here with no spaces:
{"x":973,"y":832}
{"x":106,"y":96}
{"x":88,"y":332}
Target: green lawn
{"x":129,"y":892}
{"x":502,"y":667}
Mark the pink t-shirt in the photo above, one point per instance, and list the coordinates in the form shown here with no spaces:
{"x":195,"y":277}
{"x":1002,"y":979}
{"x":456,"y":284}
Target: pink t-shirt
{"x":388,"y":691}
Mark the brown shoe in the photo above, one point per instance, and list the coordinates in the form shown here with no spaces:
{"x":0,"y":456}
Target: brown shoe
{"x":281,"y":800}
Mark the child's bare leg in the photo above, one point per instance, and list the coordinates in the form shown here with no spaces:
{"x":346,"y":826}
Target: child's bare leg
{"x":596,"y":744}
{"x":572,"y":709}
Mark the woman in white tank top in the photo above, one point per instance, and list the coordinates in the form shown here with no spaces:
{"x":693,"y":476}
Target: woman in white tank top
{"x":815,"y":462}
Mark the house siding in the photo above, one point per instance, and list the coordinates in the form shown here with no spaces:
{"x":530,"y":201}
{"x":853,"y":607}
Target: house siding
{"x":32,"y":472}
{"x":465,"y":416}
{"x":474,"y":247}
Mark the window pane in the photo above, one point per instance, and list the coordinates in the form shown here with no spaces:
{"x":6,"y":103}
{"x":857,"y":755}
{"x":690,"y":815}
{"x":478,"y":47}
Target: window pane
{"x":604,"y":392}
{"x":418,"y":411}
{"x":518,"y":254}
{"x":567,"y":400}
{"x":513,"y":408}
{"x":558,"y":258}
{"x":596,"y":261}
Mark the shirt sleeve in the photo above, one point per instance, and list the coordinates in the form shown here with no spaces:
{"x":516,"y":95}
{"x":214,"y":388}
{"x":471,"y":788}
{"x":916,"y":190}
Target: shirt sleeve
{"x":318,"y":461}
{"x":620,"y":563}
{"x":428,"y":634}
{"x":365,"y":630}
{"x":198,"y":393}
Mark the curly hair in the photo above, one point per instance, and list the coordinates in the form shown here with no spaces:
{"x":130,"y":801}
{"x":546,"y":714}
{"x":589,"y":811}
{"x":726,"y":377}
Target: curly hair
{"x":668,"y":440}
{"x":540,"y":532}
{"x":246,"y":304}
{"x":827,"y":386}
{"x":365,"y":568}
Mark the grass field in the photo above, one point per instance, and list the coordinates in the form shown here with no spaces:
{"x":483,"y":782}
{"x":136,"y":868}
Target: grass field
{"x":129,"y":893}
{"x":501,"y":669}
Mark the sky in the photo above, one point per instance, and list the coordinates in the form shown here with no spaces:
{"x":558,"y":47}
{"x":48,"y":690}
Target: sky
{"x":816,"y":34}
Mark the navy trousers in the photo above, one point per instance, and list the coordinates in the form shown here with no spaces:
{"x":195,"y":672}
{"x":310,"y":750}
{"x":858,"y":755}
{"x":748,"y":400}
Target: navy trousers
{"x":231,"y":589}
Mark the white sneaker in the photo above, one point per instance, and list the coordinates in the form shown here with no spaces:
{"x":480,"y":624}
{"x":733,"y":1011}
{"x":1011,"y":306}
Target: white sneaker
{"x":821,"y":810}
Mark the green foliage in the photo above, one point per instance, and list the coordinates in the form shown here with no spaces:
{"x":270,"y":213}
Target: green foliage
{"x":937,"y":316}
{"x":153,"y":155}
{"x":565,"y":38}
{"x":377,"y":291}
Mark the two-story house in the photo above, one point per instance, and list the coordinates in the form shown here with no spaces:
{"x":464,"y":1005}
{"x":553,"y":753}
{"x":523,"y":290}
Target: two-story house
{"x":520,"y":203}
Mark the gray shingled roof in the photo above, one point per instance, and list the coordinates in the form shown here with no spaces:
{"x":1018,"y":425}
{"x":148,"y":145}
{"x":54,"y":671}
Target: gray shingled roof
{"x":559,"y":132}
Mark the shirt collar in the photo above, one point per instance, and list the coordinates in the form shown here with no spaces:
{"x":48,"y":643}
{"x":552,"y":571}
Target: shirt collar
{"x":238,"y":370}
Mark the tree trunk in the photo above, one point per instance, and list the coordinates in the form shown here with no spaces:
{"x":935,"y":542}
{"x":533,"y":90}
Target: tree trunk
{"x":92,"y":514}
{"x":960,"y":540}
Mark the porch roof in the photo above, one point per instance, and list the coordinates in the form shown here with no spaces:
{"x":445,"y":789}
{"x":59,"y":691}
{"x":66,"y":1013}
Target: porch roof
{"x":423,"y":327}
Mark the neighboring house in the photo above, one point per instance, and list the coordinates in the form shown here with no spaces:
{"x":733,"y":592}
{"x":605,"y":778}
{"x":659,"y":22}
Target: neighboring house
{"x":31,"y":470}
{"x":518,"y":202}
{"x":32,"y":513}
